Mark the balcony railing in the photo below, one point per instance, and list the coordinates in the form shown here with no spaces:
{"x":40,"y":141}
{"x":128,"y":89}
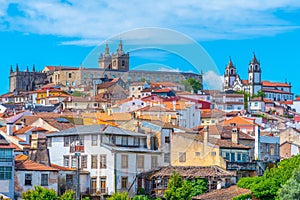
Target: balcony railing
{"x":241,"y":166}
{"x":78,"y":148}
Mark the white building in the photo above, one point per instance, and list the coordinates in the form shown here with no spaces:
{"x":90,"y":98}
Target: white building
{"x":111,"y":156}
{"x":273,"y":90}
{"x":228,"y":102}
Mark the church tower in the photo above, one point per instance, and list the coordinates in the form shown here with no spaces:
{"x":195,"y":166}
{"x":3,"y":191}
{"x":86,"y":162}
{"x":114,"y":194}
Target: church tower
{"x":120,"y":60}
{"x":254,"y":76}
{"x":230,"y":75}
{"x":105,"y":59}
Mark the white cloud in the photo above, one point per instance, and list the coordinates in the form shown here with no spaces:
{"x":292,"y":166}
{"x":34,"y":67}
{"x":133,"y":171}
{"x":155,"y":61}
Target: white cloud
{"x":213,"y":81}
{"x":91,"y":21}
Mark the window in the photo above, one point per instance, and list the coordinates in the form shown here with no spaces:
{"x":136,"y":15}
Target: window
{"x":140,"y":161}
{"x":124,"y":182}
{"x":74,"y":162}
{"x":66,"y":161}
{"x":28,"y":179}
{"x":91,"y":76}
{"x":93,"y":185}
{"x":94,"y":140}
{"x":124,"y":161}
{"x":70,"y":75}
{"x":94,"y":162}
{"x":124,"y":140}
{"x":66,"y":141}
{"x":139,"y":78}
{"x":69,"y":180}
{"x":113,"y":139}
{"x":84,"y":161}
{"x":103,"y":185}
{"x":167,"y":139}
{"x":102,"y":161}
{"x":136,"y":141}
{"x":166,"y":157}
{"x":213,"y":153}
{"x":157,"y":79}
{"x":5,"y":173}
{"x":232,"y":156}
{"x":182,"y":156}
{"x":44,"y":180}
{"x":197,"y":154}
{"x":239,"y":157}
{"x":84,"y":76}
{"x":244,"y":157}
{"x":154,"y":163}
{"x":49,"y":142}
{"x":6,"y":155}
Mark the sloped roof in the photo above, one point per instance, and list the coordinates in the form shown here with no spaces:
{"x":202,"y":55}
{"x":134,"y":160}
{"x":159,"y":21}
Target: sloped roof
{"x":274,"y":84}
{"x":190,"y":172}
{"x":28,"y":165}
{"x":223,"y":194}
{"x":239,"y":121}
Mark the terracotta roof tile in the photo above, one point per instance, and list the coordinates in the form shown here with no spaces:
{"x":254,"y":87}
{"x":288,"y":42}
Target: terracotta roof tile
{"x":29,"y":165}
{"x":239,"y":121}
{"x":274,"y":84}
{"x":223,"y":194}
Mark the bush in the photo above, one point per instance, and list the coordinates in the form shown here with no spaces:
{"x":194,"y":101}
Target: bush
{"x":119,"y":196}
{"x":141,"y":197}
{"x":243,"y":197}
{"x":247,"y":182}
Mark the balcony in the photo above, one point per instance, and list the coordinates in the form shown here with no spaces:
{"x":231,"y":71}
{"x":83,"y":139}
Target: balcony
{"x":241,"y":166}
{"x":77,"y":148}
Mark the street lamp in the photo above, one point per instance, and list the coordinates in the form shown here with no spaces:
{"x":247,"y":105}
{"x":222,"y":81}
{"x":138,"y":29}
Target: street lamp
{"x":78,"y":154}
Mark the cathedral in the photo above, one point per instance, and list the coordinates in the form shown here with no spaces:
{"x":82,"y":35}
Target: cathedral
{"x":117,"y":61}
{"x":273,"y":90}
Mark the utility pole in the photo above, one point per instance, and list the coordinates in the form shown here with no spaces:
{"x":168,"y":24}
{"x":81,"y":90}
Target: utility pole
{"x":77,"y":154}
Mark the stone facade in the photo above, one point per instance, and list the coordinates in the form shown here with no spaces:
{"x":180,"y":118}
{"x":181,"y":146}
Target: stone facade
{"x":110,"y":65}
{"x":26,"y":80}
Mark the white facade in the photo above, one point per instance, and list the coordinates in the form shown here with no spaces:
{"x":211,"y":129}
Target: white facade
{"x":112,"y":156}
{"x":27,"y":179}
{"x":129,"y":106}
{"x":258,"y":105}
{"x":190,"y":116}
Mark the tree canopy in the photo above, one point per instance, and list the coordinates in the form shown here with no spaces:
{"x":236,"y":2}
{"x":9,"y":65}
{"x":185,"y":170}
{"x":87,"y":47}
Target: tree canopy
{"x":269,"y":185}
{"x":179,"y":189}
{"x":192,"y":84}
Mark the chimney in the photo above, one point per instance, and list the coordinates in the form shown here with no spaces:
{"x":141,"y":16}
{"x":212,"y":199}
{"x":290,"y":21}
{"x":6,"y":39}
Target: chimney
{"x":206,"y":135}
{"x":174,"y":105}
{"x":47,"y":92}
{"x":18,"y":126}
{"x":257,"y":143}
{"x":235,"y":135}
{"x":9,"y":129}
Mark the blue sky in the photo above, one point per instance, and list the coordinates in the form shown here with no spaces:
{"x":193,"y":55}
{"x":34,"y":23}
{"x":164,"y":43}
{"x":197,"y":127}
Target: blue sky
{"x":65,"y":32}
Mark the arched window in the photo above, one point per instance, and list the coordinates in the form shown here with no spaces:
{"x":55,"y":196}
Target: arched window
{"x":231,"y":71}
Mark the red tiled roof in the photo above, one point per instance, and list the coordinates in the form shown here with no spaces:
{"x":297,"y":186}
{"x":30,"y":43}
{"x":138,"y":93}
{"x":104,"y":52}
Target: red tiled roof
{"x":239,"y":121}
{"x":23,"y":130}
{"x":164,"y":84}
{"x":275,"y":91}
{"x":163,"y":90}
{"x":274,"y":84}
{"x":61,"y":168}
{"x":137,"y":84}
{"x":29,"y":165}
{"x":223,"y":194}
{"x":38,"y":129}
{"x":53,"y":68}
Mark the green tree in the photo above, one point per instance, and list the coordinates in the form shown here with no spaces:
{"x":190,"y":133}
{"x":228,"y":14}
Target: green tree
{"x":246,"y":98}
{"x":291,"y":190}
{"x":192,"y":84}
{"x":119,"y":196}
{"x":184,"y":189}
{"x":39,"y":193}
{"x":141,"y":197}
{"x":68,"y":195}
{"x":198,"y":187}
{"x":260,"y":93}
{"x":268,"y":186}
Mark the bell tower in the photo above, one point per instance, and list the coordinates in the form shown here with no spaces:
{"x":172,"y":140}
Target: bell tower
{"x":254,"y":76}
{"x":230,"y":75}
{"x":120,"y":60}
